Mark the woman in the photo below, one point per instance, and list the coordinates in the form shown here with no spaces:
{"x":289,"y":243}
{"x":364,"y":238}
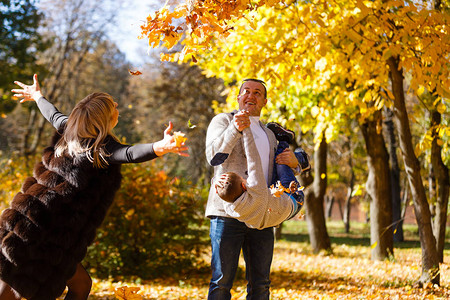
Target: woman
{"x":45,"y":233}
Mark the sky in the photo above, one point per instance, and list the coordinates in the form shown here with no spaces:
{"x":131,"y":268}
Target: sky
{"x":129,"y":19}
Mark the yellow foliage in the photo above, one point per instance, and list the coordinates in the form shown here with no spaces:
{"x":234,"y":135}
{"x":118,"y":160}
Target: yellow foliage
{"x":335,"y":51}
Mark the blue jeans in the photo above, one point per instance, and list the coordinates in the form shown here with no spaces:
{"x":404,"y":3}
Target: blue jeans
{"x":283,"y":173}
{"x":228,"y":237}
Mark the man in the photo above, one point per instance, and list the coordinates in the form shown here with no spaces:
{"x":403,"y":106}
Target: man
{"x":224,"y":151}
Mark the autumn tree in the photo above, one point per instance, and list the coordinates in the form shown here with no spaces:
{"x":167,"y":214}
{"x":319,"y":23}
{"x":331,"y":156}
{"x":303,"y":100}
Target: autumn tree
{"x":75,"y":28}
{"x":182,"y":94}
{"x":363,"y":61}
{"x":20,"y":45}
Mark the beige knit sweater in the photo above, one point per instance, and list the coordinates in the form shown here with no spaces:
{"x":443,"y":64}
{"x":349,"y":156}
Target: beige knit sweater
{"x":256,"y":207}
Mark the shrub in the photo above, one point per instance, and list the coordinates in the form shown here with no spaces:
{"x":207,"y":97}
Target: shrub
{"x":154,"y":227}
{"x":13,"y":172}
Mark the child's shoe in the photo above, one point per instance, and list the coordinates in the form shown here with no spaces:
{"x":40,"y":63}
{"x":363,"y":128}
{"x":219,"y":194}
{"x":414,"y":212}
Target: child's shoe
{"x":303,"y":160}
{"x":281,"y":133}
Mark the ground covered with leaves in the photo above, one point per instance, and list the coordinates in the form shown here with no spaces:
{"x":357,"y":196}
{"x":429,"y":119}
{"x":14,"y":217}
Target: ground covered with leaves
{"x":297,"y":273}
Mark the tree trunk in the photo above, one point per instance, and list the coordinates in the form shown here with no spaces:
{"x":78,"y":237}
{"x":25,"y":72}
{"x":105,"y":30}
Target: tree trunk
{"x":277,"y":231}
{"x":379,"y":188}
{"x":314,"y":201}
{"x":442,"y":184}
{"x":329,"y":200}
{"x":347,"y":207}
{"x":395,"y":177}
{"x":430,"y":259}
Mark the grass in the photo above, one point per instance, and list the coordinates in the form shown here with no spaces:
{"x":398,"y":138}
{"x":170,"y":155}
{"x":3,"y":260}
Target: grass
{"x":297,"y":273}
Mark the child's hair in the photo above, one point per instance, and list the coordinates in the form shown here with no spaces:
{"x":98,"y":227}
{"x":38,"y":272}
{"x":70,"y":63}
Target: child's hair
{"x":87,"y":127}
{"x":229,"y":188}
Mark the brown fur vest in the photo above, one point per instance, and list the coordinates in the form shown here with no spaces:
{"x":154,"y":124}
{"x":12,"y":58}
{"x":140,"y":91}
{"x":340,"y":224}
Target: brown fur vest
{"x":46,"y":231}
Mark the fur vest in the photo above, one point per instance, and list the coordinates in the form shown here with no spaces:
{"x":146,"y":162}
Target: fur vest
{"x":49,"y":225}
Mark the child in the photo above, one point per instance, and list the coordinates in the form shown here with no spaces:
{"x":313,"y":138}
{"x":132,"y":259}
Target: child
{"x":45,"y":233}
{"x":286,"y":137}
{"x":250,"y":201}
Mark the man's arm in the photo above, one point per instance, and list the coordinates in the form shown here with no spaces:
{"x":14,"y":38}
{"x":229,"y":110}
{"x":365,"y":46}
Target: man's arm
{"x":221,"y":138}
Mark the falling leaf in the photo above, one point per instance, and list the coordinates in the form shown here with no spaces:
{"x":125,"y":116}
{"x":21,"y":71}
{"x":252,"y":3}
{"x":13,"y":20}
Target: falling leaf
{"x":134,"y":72}
{"x":374,"y":245}
{"x":179,"y":138}
{"x":190,"y":125}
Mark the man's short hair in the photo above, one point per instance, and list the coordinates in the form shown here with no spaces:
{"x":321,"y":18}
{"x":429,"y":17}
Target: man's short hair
{"x":255,"y":80}
{"x":231,"y":188}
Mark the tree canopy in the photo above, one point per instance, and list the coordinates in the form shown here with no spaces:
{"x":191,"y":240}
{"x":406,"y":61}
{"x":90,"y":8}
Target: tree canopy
{"x":20,"y":44}
{"x":327,"y":62}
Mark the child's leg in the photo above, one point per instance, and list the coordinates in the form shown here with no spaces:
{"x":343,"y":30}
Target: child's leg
{"x":287,"y":179}
{"x":6,"y":293}
{"x":280,"y":148}
{"x":281,"y":133}
{"x":79,"y":285}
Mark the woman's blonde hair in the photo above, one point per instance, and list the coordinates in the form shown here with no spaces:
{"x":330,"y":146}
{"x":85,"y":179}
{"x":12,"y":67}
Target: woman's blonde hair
{"x":87,"y":127}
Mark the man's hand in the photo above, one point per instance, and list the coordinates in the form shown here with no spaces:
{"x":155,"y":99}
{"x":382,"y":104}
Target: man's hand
{"x":241,"y":120}
{"x":287,"y":157}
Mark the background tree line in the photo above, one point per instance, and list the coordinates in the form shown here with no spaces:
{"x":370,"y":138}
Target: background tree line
{"x":150,"y":229}
{"x":350,"y":96}
{"x":342,"y":68}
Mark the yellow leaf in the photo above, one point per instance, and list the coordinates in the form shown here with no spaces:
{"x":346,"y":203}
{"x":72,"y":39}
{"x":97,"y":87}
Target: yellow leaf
{"x":315,"y":111}
{"x":166,"y":57}
{"x":127,"y":293}
{"x":420,"y":90}
{"x":179,"y":138}
{"x":171,"y":39}
{"x":374,"y":245}
{"x":323,"y":175}
{"x":418,"y":149}
{"x":441,"y":108}
{"x":129,"y":214}
{"x":278,"y":189}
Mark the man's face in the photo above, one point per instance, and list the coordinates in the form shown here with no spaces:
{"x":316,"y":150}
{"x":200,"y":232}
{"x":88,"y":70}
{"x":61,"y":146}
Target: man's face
{"x":251,"y":97}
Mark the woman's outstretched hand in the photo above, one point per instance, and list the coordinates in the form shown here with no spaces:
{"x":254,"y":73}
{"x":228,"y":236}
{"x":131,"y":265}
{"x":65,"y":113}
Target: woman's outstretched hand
{"x":28,"y":92}
{"x":168,"y":144}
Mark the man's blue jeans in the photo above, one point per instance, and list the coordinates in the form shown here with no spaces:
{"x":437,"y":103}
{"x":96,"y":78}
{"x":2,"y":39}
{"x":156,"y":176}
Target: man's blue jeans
{"x":228,"y":237}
